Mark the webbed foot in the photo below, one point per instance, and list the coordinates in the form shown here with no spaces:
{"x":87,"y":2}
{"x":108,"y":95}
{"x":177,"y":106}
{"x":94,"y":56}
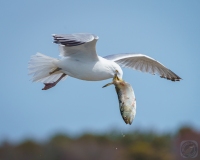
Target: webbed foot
{"x":50,"y":85}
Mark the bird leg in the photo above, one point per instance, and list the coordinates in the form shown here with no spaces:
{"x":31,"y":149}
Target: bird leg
{"x":50,"y":85}
{"x":55,"y":70}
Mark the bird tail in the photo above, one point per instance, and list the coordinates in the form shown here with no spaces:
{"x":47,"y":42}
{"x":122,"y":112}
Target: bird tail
{"x":43,"y":68}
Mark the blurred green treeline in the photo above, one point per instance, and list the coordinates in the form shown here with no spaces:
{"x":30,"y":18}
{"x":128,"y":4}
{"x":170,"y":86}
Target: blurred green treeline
{"x":135,"y":145}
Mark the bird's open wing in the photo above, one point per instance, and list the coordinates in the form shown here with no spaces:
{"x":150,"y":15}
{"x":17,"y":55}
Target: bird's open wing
{"x":81,"y":44}
{"x":143,"y":63}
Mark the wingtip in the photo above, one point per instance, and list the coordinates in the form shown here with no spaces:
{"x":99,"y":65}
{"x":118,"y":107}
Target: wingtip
{"x":172,"y":78}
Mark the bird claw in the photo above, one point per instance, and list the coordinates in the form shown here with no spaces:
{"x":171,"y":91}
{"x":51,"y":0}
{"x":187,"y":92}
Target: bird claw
{"x":49,"y":85}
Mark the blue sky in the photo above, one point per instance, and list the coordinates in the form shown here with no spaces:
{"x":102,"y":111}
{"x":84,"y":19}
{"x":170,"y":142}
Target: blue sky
{"x":167,"y":31}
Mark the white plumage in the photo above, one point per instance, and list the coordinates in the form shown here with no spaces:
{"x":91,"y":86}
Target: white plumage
{"x":80,"y":60}
{"x":143,"y":63}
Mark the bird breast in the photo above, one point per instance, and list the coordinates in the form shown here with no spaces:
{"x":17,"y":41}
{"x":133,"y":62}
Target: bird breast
{"x":87,"y":70}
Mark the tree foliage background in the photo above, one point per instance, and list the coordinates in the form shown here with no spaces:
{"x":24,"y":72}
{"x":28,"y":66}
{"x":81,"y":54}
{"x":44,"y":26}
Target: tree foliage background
{"x":136,"y":145}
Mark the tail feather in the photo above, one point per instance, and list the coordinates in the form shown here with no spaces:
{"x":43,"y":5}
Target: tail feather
{"x":40,"y":67}
{"x":50,"y":79}
{"x":35,"y":70}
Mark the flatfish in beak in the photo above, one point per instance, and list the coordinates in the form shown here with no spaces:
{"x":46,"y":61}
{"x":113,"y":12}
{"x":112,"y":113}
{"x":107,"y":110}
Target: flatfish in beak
{"x":126,"y":97}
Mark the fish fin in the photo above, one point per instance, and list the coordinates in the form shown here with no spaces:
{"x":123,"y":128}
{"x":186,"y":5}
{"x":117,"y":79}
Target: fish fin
{"x":107,"y":85}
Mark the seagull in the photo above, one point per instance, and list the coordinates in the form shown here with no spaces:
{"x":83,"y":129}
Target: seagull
{"x":80,"y":60}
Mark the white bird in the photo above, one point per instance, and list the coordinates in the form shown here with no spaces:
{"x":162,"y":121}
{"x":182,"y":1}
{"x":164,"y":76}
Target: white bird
{"x":79,"y":59}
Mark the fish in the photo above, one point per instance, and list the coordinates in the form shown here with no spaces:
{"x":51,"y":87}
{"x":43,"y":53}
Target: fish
{"x":126,"y":97}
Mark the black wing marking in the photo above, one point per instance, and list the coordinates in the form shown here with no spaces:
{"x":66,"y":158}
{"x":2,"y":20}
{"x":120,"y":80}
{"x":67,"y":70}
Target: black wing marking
{"x":69,"y":42}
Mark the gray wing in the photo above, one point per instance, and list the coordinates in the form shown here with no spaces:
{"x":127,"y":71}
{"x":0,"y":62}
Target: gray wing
{"x":79,"y":43}
{"x":143,"y":63}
